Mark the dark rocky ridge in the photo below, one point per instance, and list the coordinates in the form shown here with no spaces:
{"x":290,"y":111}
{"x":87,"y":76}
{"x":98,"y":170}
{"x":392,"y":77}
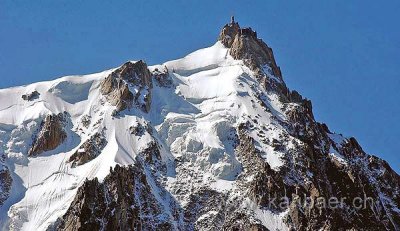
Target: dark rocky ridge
{"x":124,"y":201}
{"x":162,"y":77}
{"x":50,"y":135}
{"x":117,"y":86}
{"x":89,"y":150}
{"x":329,"y":178}
{"x":5,"y":184}
{"x":31,"y":96}
{"x":256,"y":54}
{"x":228,"y":33}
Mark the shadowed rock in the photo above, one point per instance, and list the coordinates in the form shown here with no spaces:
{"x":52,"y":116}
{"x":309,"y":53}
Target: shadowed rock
{"x":31,"y":96}
{"x":5,"y":184}
{"x":255,"y":53}
{"x":50,"y":135}
{"x":329,"y":179}
{"x":228,"y":33}
{"x":123,"y":201}
{"x":162,"y":77}
{"x":246,"y":46}
{"x":89,"y":150}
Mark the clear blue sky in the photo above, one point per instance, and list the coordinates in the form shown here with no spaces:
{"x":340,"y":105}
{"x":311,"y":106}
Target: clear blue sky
{"x":343,"y":55}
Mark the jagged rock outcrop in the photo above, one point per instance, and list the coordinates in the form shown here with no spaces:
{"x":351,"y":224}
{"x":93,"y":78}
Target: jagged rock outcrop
{"x":162,"y":77}
{"x":50,"y":135}
{"x":229,"y":32}
{"x":267,"y":183}
{"x":130,"y":85}
{"x":123,"y":201}
{"x":244,"y":45}
{"x":86,"y":120}
{"x":205,"y":202}
{"x":247,"y":47}
{"x":139,"y":129}
{"x":5,"y":184}
{"x":151,"y":155}
{"x":255,"y":53}
{"x":321,"y":157}
{"x":323,"y":178}
{"x":89,"y":150}
{"x":31,"y":96}
{"x":242,"y":221}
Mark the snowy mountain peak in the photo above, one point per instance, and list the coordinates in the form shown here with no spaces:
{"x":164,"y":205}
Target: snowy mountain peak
{"x":214,"y":140}
{"x":244,"y":44}
{"x":129,"y":85}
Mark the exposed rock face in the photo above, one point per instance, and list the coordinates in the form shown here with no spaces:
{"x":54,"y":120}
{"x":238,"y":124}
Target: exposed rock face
{"x":162,"y":77}
{"x":267,"y":183}
{"x":124,"y":201}
{"x":130,"y":85}
{"x":325,"y":176}
{"x":86,"y":120}
{"x":244,"y":45}
{"x":315,"y":173}
{"x":228,"y":33}
{"x":139,"y":129}
{"x":31,"y":96}
{"x":151,"y":155}
{"x":5,"y":184}
{"x":89,"y":150}
{"x":50,"y":135}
